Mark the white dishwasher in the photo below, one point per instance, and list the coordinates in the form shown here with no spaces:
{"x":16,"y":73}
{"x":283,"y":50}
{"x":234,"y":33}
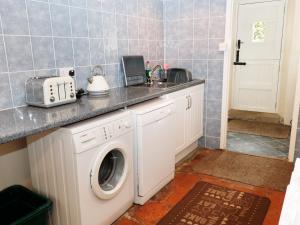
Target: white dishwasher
{"x":154,"y":158}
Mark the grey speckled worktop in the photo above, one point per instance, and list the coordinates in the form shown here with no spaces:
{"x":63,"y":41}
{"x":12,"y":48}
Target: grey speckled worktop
{"x":24,"y":121}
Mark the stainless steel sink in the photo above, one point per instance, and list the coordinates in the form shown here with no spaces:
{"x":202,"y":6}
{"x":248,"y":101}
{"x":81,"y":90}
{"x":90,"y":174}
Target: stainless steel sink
{"x":160,"y":85}
{"x":164,"y":84}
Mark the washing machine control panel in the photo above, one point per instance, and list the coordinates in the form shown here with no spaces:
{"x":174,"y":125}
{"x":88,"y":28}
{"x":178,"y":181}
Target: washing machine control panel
{"x":115,"y":129}
{"x":99,"y":135}
{"x":107,"y":132}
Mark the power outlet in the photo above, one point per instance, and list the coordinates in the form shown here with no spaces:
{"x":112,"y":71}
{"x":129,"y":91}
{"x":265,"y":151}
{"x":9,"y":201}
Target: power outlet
{"x":65,"y":71}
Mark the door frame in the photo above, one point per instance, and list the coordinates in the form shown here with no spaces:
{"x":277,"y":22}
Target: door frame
{"x":229,"y":53}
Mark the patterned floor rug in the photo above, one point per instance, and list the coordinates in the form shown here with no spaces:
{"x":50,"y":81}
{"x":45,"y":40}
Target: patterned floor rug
{"x":215,"y":205}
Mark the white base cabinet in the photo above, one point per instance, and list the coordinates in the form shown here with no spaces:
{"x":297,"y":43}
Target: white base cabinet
{"x":290,"y":214}
{"x":189,"y":116}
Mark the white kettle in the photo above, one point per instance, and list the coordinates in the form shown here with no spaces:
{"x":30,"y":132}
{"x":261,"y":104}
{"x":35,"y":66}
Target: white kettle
{"x":97,"y":85}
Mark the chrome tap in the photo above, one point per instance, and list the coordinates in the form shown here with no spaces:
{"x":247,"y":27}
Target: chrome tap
{"x":155,"y":68}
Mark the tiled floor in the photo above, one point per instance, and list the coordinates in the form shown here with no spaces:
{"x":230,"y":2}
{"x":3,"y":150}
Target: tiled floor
{"x":185,"y":179}
{"x":258,"y":145}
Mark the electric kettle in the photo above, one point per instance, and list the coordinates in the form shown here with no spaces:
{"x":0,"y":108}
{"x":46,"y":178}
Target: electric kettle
{"x":97,"y":84}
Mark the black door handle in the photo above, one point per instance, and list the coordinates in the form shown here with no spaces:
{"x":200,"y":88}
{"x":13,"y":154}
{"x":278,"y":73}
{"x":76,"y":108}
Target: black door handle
{"x":237,"y":56}
{"x":239,"y":44}
{"x":239,"y":63}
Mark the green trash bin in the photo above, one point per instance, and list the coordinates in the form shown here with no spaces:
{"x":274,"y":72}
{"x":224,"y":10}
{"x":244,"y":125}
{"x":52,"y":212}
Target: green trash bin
{"x":20,"y":206}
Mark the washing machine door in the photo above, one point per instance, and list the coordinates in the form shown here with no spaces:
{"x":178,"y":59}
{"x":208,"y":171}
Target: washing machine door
{"x":109,"y":171}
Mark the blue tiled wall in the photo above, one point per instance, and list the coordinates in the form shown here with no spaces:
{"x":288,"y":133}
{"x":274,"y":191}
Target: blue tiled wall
{"x":193,"y":31}
{"x":39,"y":36}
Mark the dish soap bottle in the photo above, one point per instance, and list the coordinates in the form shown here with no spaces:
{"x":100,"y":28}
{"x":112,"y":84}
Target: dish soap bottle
{"x":148,"y":73}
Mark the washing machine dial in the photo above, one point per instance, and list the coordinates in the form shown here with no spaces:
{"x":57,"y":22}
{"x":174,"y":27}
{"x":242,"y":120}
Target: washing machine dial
{"x":104,"y":133}
{"x":126,"y":124}
{"x":110,"y":132}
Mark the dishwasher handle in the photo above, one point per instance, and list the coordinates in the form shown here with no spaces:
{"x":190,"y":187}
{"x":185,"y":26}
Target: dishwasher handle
{"x":154,"y":116}
{"x":164,"y":114}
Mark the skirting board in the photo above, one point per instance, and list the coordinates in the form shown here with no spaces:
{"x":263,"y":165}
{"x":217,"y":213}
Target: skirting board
{"x":186,"y":151}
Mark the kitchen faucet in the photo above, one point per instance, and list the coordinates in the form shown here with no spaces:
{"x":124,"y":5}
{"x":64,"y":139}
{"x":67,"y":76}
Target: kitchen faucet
{"x":158,"y":67}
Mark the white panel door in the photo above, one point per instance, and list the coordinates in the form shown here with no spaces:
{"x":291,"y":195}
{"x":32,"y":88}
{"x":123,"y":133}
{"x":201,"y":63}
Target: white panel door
{"x":259,"y":37}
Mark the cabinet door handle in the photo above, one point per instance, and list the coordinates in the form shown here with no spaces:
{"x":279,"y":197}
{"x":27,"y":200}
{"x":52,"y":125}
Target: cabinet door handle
{"x":188,"y":103}
{"x":191,"y":102}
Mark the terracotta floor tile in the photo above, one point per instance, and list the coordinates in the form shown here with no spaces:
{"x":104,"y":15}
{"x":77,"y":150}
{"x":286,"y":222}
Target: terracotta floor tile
{"x":184,"y":181}
{"x":125,"y":221}
{"x":151,"y":211}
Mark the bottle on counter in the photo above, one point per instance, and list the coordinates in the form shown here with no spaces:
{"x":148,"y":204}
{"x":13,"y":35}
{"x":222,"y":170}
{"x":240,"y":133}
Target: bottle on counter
{"x":148,"y":72}
{"x":165,"y":72}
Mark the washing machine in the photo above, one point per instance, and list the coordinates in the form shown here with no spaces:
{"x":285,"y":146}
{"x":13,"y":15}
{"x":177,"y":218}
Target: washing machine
{"x":86,"y":169}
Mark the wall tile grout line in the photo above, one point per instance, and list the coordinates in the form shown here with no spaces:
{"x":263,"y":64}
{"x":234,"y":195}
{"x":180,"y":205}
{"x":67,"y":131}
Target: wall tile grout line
{"x":207,"y":69}
{"x":164,"y":29}
{"x":30,"y":37}
{"x":53,"y":44}
{"x":7,"y":65}
{"x":88,"y":30}
{"x":116,"y":28}
{"x":72,"y":41}
{"x":179,"y":15}
{"x":103,"y":43}
{"x":31,"y":48}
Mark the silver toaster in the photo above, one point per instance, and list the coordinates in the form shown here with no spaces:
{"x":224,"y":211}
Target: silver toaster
{"x":50,"y":91}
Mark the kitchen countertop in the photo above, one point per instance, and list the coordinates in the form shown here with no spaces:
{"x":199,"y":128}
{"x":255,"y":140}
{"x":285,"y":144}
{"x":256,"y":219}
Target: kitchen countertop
{"x":24,"y":121}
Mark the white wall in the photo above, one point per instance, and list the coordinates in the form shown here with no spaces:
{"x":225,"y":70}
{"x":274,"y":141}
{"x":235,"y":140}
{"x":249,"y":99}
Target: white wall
{"x":291,"y":53}
{"x":14,"y":169}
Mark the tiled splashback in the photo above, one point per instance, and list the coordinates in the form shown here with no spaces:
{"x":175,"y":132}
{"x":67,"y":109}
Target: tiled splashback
{"x":39,"y":36}
{"x":193,"y":31}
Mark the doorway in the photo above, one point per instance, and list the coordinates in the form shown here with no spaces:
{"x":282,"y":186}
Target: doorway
{"x":253,"y":122}
{"x":258,"y":52}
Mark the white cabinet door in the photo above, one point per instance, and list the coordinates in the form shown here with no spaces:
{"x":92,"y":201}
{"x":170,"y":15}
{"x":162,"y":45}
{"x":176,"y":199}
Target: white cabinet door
{"x":196,"y":113}
{"x":180,"y":120}
{"x":181,"y":123}
{"x":188,"y":123}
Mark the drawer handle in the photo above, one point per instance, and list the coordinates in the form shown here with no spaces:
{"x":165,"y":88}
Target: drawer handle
{"x":88,"y":140}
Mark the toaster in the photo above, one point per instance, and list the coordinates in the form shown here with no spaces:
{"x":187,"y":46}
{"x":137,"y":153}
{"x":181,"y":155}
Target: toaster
{"x":50,"y":91}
